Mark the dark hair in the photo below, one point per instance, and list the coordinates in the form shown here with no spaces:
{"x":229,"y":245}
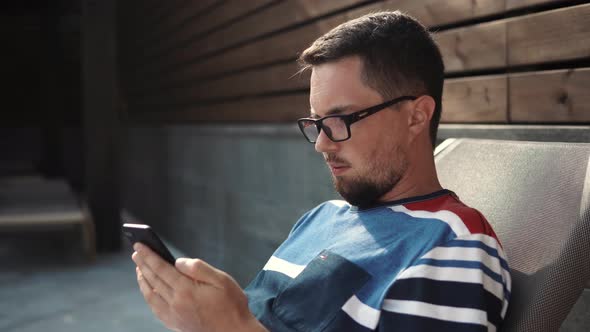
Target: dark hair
{"x":399,"y":56}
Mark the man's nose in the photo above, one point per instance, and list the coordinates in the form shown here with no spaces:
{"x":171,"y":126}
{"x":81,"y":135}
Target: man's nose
{"x":325,"y":144}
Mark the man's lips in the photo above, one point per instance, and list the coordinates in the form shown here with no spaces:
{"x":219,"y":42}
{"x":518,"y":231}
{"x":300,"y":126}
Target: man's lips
{"x":338,"y":168}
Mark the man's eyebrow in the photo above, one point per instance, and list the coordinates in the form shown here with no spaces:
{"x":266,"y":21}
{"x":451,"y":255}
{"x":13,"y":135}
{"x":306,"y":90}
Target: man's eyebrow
{"x":333,"y":111}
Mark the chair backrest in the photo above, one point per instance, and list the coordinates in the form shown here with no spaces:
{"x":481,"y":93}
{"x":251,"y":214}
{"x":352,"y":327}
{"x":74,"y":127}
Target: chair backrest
{"x":537,"y":197}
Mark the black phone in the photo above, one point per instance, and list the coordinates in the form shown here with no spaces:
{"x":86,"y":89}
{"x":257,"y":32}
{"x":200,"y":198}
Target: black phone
{"x":146,"y":235}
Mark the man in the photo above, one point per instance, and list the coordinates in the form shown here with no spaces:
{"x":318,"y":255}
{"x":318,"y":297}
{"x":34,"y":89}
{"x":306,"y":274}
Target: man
{"x":401,"y":254}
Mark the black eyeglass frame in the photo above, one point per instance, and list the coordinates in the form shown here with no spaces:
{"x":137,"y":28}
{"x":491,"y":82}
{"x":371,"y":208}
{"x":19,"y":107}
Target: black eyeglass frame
{"x":348,"y":118}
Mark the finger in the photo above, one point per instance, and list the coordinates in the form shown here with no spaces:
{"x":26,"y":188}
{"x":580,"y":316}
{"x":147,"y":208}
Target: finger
{"x":199,"y":270}
{"x":152,"y":278}
{"x":152,"y":298}
{"x":149,"y":293}
{"x":166,"y":272}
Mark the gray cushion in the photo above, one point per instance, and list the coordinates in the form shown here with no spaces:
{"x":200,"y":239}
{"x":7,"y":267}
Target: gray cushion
{"x":537,"y":197}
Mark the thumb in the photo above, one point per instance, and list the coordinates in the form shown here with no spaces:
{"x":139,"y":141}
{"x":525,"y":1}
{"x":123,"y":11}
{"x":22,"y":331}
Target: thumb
{"x":199,"y":270}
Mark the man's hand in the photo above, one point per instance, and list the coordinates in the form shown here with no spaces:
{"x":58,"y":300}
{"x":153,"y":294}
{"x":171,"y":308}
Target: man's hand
{"x":192,"y":297}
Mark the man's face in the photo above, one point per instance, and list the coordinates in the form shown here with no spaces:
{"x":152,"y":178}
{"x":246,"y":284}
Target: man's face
{"x":374,"y":159}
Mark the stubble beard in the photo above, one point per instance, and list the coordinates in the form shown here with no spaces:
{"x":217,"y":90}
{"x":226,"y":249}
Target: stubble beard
{"x":379,"y":178}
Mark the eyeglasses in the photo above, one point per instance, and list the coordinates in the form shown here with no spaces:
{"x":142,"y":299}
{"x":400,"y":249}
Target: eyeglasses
{"x":337,"y":127}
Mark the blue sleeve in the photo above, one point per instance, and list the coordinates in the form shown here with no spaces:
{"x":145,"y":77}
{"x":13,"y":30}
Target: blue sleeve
{"x":463,"y":285}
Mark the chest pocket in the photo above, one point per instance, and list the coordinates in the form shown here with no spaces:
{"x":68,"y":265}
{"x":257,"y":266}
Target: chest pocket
{"x":313,"y":299}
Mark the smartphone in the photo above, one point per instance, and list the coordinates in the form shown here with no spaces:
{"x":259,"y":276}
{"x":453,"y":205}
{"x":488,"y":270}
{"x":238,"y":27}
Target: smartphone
{"x":146,"y":235}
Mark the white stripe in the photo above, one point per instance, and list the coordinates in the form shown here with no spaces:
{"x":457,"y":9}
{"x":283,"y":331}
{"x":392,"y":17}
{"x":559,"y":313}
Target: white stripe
{"x":466,"y":254}
{"x":452,"y":314}
{"x":491,"y":242}
{"x":446,"y":216}
{"x":280,"y":265}
{"x":338,"y":203}
{"x":491,"y":327}
{"x":455,"y":274}
{"x":361,"y":313}
{"x":471,"y":254}
{"x":487,"y":240}
{"x":504,"y":308}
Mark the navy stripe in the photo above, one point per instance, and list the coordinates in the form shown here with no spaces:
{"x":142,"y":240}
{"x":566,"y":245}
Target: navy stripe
{"x":477,"y":244}
{"x":448,"y":293}
{"x":343,"y":322}
{"x":405,"y":200}
{"x":468,"y":265}
{"x":391,"y":321}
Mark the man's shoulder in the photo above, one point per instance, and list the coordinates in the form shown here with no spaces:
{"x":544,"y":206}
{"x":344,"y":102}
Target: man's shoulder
{"x":328,"y":207}
{"x":320,"y":212}
{"x":450,"y":205}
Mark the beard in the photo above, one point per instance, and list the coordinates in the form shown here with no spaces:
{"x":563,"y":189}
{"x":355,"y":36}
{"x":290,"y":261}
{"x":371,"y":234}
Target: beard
{"x":364,"y":190}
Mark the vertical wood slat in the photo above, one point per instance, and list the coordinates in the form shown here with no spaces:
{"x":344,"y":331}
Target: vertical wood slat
{"x":101,"y":119}
{"x":557,"y":35}
{"x":551,"y":96}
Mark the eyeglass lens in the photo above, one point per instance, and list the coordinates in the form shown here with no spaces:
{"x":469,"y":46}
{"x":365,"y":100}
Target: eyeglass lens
{"x":334,"y":128}
{"x":310,"y":130}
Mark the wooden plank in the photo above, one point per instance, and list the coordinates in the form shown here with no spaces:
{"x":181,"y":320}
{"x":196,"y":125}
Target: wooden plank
{"x":482,"y":46}
{"x":283,"y":15}
{"x":277,"y":47}
{"x":279,"y":16}
{"x":42,"y":218}
{"x":164,"y":29}
{"x":286,"y":109}
{"x":550,"y":96}
{"x":436,"y":12}
{"x":478,"y":99}
{"x":272,"y":79}
{"x":285,"y":46}
{"x":468,"y":100}
{"x":517,"y":4}
{"x":146,"y":20}
{"x":557,"y":35}
{"x":184,"y":10}
{"x":190,"y":31}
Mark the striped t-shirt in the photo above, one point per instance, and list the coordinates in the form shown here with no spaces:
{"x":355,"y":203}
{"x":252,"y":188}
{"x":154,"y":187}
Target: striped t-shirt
{"x":427,"y":263}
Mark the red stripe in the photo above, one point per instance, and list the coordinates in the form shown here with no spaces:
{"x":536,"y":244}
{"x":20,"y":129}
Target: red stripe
{"x":475,"y":222}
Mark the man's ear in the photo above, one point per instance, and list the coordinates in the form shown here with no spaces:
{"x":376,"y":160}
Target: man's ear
{"x":420,"y":116}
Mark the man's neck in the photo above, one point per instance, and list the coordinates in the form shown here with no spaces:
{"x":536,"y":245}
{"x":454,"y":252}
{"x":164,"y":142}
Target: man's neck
{"x":420,"y":179}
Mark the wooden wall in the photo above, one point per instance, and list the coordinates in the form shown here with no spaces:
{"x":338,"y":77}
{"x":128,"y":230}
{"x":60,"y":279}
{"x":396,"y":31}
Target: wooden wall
{"x":507,"y":61}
